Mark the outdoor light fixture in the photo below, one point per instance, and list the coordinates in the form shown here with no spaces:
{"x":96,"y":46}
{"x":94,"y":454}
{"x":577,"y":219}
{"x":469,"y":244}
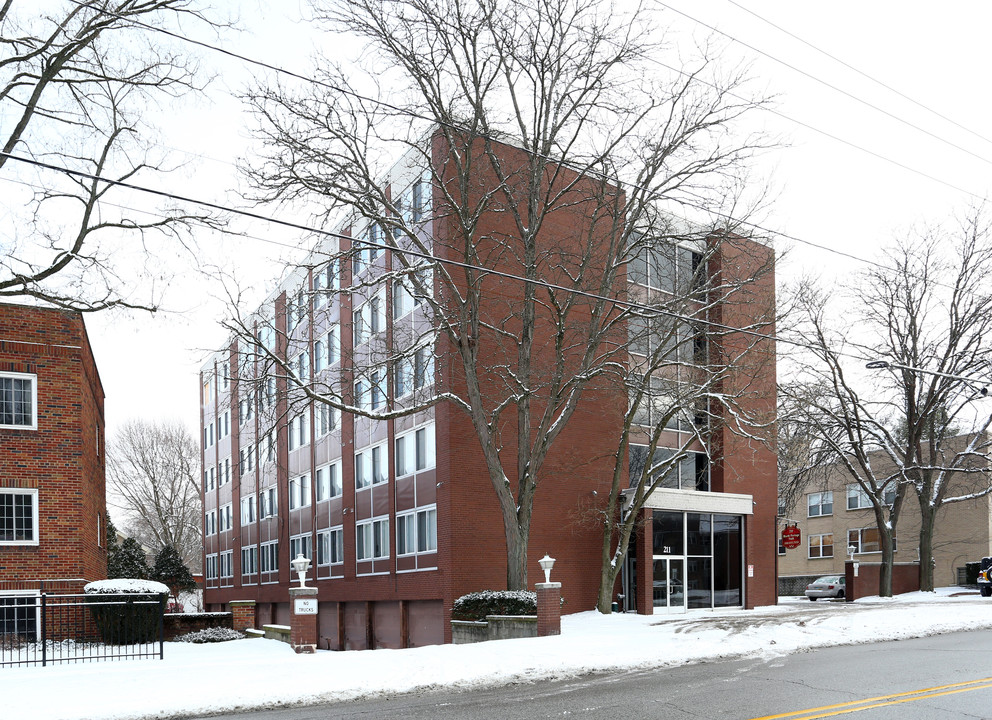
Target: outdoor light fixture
{"x":851,"y":550}
{"x":301,"y":565}
{"x":546,"y":563}
{"x":877,"y":364}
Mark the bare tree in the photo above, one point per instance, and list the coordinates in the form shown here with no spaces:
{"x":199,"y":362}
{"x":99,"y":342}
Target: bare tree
{"x":76,"y":82}
{"x":519,"y":117}
{"x":921,"y":430}
{"x":153,"y":469}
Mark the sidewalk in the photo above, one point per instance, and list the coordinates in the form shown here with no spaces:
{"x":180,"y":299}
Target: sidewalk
{"x":244,"y":674}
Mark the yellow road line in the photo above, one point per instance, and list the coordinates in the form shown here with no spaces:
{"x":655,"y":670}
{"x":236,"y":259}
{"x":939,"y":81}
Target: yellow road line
{"x":880,"y":701}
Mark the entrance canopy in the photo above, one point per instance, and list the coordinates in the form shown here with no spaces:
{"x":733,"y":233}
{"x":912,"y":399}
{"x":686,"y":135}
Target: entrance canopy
{"x":703,"y":502}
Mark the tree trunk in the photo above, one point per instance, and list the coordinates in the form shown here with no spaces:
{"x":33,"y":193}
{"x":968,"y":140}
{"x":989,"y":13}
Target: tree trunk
{"x":516,"y":555}
{"x":885,"y":572}
{"x":609,"y":569}
{"x":928,"y":519}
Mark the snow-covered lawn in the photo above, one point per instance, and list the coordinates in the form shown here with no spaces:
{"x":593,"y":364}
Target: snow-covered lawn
{"x":265,"y":673}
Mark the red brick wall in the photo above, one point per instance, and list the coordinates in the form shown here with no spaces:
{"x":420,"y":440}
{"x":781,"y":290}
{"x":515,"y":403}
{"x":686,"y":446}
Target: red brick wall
{"x":63,"y":458}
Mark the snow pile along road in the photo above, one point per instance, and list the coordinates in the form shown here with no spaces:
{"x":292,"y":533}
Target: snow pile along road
{"x":200,"y":679}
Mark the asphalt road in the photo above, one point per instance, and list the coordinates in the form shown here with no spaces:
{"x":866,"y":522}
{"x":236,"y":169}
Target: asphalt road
{"x":936,"y":678}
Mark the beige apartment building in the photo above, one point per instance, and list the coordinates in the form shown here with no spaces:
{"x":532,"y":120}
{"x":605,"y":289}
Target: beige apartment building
{"x":835,"y":515}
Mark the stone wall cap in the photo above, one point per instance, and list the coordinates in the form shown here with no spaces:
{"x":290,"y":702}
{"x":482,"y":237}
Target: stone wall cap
{"x":548,"y":586}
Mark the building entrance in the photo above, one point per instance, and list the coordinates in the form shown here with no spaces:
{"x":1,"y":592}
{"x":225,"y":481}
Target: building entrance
{"x":669,"y":585}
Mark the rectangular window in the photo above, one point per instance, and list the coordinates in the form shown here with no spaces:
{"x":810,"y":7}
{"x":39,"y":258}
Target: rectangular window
{"x":210,"y":523}
{"x":427,"y":530}
{"x":18,"y":517}
{"x":857,"y":498}
{"x":423,"y":368}
{"x":416,"y":532}
{"x":328,"y":482}
{"x":226,"y":564}
{"x":425,"y":447}
{"x":269,"y":557}
{"x":820,"y":503}
{"x":248,"y":510}
{"x":372,"y":540}
{"x":330,"y":546}
{"x":211,"y":567}
{"x":362,"y":395}
{"x":225,"y":471}
{"x":270,"y":446}
{"x":402,"y":377}
{"x":319,"y":356}
{"x":333,"y":346}
{"x":267,"y":503}
{"x":363,"y":467}
{"x":299,"y":430}
{"x":301,"y":545}
{"x":327,"y":419}
{"x":249,"y":561}
{"x":299,"y":492}
{"x":224,"y":518}
{"x":377,"y":389}
{"x":867,"y":540}
{"x":821,"y":546}
{"x":380,"y":464}
{"x":301,"y":367}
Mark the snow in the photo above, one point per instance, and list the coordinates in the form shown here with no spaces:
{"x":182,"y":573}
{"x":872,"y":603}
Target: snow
{"x":125,"y":585}
{"x":589,"y":642}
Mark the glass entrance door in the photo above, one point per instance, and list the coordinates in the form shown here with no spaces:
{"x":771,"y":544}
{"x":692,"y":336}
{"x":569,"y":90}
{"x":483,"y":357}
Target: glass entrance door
{"x":669,"y":585}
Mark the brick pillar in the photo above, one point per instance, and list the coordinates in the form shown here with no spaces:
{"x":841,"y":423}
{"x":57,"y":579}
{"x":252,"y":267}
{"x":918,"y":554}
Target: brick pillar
{"x":244,"y":614}
{"x":303,"y":606}
{"x":548,"y":609}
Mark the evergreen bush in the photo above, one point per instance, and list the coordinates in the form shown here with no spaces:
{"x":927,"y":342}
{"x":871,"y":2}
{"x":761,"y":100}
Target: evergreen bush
{"x":475,"y":606}
{"x":126,"y":611}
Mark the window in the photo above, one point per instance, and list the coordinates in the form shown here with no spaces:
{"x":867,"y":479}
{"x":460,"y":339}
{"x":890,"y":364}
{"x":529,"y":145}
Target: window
{"x":416,"y":532}
{"x":208,"y":435}
{"x":821,"y":546}
{"x":420,"y":199}
{"x":362,"y":395}
{"x":328,"y":482}
{"x":226,"y":564}
{"x":248,"y":510}
{"x":857,"y":498}
{"x":402,"y":299}
{"x":224,"y":518}
{"x":327,"y":419}
{"x":362,"y":467}
{"x":225,"y":373}
{"x":820,"y":503}
{"x":377,"y":389}
{"x":319,"y":355}
{"x":415,"y":451}
{"x":224,"y":425}
{"x":246,"y":409}
{"x":247,"y":459}
{"x":208,"y":390}
{"x":299,"y":492}
{"x":369,"y":319}
{"x":211,"y":567}
{"x":358,"y":327}
{"x":333,"y":346}
{"x":210,"y":523}
{"x":267,"y":503}
{"x":867,"y":540}
{"x":423,"y":368}
{"x":225,"y":471}
{"x":330,"y":546}
{"x":299,"y":430}
{"x":325,"y":283}
{"x":270,"y":446}
{"x":372,"y":540}
{"x":269,"y":557}
{"x":19,"y":615}
{"x":403,"y":377}
{"x":301,"y":367}
{"x":301,"y":545}
{"x":18,"y":517}
{"x":380,"y":464}
{"x":249,"y":561}
{"x":667,"y":267}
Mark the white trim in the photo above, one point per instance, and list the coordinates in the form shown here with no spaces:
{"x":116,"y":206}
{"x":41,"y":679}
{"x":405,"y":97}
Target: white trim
{"x":35,"y":511}
{"x":701,"y":502}
{"x":34,"y":400}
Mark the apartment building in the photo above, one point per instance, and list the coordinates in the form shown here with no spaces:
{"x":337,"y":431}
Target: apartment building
{"x":398,"y":515}
{"x":53,"y":509}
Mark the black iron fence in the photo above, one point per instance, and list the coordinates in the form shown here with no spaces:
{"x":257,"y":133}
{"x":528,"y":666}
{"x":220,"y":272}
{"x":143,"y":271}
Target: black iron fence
{"x":43,"y":629}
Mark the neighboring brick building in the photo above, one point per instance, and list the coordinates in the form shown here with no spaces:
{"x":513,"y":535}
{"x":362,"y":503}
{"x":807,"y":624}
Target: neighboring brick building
{"x":835,"y":515}
{"x":53,"y":508}
{"x":399,"y":516}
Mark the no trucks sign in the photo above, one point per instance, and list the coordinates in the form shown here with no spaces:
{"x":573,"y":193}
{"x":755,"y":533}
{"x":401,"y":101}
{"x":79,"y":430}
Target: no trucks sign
{"x":791,"y":537}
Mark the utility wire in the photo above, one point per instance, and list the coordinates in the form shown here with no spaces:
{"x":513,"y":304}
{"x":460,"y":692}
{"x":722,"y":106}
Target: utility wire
{"x":413,"y":114}
{"x":823,"y":82}
{"x":860,"y":72}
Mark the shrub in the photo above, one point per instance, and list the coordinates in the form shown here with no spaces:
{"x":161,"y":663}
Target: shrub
{"x":210,"y":635}
{"x":126,"y":611}
{"x":475,"y":606}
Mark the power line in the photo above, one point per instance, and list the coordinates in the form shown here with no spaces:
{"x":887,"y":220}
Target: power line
{"x":413,"y":114}
{"x":411,"y":252}
{"x":823,"y":82}
{"x":860,"y":72}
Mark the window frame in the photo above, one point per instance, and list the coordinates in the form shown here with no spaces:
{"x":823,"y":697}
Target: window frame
{"x":820,"y":505}
{"x":35,"y":532}
{"x":33,"y":379}
{"x":809,"y":546}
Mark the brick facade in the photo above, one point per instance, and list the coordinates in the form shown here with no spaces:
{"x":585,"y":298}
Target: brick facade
{"x":404,"y":600}
{"x":62,"y":459}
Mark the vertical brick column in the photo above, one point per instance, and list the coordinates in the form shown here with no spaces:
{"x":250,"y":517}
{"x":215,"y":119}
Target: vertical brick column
{"x":303,"y":628}
{"x":243,"y":612}
{"x":548,"y":609}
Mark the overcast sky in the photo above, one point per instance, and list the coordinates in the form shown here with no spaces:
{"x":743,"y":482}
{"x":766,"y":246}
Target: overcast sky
{"x":827,"y":191}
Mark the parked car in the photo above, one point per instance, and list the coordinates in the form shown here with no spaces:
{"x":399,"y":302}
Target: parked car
{"x":829,"y":586}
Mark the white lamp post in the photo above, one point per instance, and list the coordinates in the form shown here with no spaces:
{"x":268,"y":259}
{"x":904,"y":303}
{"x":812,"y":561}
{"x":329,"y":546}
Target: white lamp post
{"x":301,"y":565}
{"x":546,"y":563}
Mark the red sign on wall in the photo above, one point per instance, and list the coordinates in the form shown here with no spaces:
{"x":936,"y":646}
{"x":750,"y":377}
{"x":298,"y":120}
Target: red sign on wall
{"x":791,"y":537}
